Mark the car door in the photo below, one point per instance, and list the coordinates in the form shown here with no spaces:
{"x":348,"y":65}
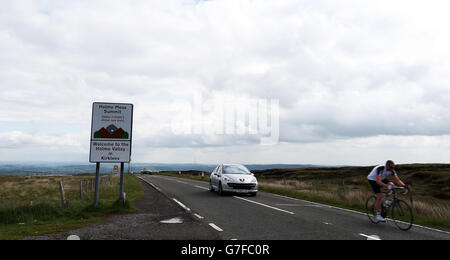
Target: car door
{"x":217,"y":176}
{"x":214,"y":177}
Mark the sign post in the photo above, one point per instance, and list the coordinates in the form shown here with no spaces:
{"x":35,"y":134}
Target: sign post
{"x":97,"y":177}
{"x":111,"y":131}
{"x":122,"y":195}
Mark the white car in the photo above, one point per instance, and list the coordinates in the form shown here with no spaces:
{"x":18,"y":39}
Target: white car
{"x":146,"y":171}
{"x":234,"y":178}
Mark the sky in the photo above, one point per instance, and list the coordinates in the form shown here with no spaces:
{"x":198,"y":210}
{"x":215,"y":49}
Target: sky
{"x":348,"y":82}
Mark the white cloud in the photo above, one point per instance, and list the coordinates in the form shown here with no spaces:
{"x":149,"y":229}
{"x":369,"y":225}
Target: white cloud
{"x":342,"y":70}
{"x":18,"y":139}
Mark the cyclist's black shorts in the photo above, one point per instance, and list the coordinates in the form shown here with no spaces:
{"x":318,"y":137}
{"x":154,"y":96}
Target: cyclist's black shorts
{"x":376,"y":187}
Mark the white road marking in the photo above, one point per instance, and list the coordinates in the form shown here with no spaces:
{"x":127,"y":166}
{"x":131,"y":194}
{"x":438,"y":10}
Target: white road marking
{"x":172,"y":221}
{"x":182,"y":182}
{"x":318,"y":204}
{"x":203,"y":188}
{"x":151,"y":184}
{"x":198,"y":216}
{"x":215,"y":227}
{"x":154,"y":186}
{"x":298,"y":205}
{"x":73,"y":237}
{"x":264,"y":205}
{"x":371,"y":237}
{"x":182,"y":205}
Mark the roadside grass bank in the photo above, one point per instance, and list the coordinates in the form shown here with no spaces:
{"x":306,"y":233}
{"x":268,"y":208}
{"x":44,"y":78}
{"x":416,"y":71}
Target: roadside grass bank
{"x":31,"y":205}
{"x":348,"y":188}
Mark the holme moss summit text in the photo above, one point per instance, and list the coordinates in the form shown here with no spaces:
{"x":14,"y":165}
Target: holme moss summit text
{"x":117,"y":109}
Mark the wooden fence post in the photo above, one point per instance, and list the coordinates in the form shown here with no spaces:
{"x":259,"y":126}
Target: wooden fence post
{"x":81,"y":189}
{"x":63,"y":197}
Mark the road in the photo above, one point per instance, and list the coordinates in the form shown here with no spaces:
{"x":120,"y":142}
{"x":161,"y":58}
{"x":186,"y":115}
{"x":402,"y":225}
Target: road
{"x":273,"y":217}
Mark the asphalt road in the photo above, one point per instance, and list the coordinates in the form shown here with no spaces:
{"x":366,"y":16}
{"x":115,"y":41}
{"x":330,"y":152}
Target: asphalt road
{"x":272,"y":217}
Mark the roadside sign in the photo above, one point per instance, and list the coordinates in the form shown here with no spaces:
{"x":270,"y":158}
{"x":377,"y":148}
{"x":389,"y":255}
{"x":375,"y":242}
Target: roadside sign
{"x":116,"y":168}
{"x":111,"y":132}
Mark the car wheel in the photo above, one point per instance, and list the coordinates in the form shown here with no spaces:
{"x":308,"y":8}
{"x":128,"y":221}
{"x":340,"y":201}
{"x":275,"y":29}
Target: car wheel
{"x":220,"y":189}
{"x":211,"y":188}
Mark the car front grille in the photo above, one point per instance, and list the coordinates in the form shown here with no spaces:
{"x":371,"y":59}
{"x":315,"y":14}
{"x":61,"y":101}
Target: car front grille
{"x":242,"y":186}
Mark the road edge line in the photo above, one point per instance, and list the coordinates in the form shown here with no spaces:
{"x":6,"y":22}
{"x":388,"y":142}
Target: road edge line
{"x":216,"y":227}
{"x":173,"y":200}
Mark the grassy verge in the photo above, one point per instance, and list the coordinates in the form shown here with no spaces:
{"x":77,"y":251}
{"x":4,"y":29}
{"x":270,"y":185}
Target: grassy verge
{"x":31,"y":205}
{"x":347,"y":194}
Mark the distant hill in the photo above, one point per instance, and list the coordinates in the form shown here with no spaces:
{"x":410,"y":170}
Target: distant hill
{"x":211,"y":167}
{"x":13,"y":168}
{"x":430,"y":179}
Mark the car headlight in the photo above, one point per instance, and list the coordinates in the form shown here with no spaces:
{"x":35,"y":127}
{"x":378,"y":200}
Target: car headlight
{"x":254,"y":180}
{"x":226,"y":179}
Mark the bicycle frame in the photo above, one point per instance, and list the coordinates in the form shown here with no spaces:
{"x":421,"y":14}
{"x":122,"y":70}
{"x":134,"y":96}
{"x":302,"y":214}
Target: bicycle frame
{"x":404,"y":210}
{"x":384,"y":209}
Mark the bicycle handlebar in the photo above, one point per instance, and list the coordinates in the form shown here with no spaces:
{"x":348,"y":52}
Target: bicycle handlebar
{"x":406,"y":188}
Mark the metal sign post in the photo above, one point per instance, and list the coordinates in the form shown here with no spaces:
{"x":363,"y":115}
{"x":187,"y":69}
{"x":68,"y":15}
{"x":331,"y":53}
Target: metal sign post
{"x":111,"y":131}
{"x":97,"y":177}
{"x":121,"y":196}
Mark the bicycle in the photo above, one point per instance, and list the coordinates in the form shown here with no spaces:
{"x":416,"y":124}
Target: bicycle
{"x":401,"y":212}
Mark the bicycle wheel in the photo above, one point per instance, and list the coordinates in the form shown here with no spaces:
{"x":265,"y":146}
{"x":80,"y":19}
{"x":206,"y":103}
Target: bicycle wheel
{"x":402,"y":215}
{"x":371,"y":209}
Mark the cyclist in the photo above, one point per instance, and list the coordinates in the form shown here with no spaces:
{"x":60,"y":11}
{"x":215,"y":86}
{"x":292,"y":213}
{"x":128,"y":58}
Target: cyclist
{"x":377,"y":179}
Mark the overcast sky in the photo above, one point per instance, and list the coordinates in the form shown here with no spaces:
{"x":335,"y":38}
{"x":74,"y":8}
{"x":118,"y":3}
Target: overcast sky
{"x":357,"y":81}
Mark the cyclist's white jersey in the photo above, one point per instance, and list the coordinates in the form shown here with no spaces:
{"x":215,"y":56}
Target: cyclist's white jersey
{"x":380,"y":170}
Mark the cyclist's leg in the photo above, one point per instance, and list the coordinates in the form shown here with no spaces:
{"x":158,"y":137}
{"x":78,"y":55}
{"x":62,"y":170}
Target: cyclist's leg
{"x":377,"y":190}
{"x":380,"y":197}
{"x":378,"y":203}
{"x":386,"y":181}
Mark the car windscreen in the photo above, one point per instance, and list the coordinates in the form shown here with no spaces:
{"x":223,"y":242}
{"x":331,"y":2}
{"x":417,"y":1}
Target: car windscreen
{"x":235,"y":169}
